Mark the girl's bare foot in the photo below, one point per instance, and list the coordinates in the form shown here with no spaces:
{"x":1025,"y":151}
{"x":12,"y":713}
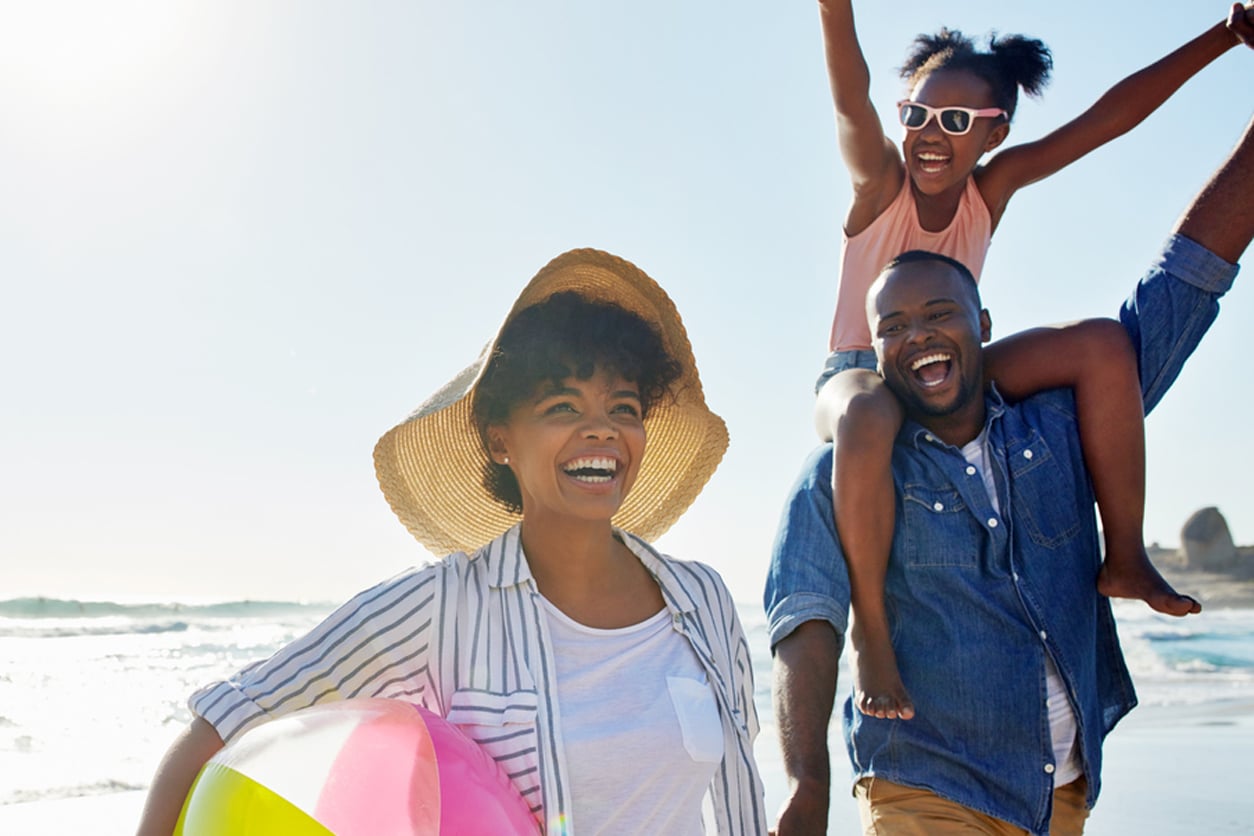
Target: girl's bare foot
{"x":878,"y":689}
{"x":1132,"y":575}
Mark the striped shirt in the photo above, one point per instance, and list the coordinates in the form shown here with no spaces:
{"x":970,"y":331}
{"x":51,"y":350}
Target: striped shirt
{"x":467,"y":639}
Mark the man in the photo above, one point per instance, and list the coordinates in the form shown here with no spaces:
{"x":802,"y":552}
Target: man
{"x":1009,"y":651}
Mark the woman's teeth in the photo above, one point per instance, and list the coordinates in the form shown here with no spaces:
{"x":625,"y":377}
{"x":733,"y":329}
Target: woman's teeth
{"x":592,"y":468}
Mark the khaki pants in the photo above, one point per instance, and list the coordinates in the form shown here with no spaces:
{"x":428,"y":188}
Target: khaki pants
{"x":889,"y":809}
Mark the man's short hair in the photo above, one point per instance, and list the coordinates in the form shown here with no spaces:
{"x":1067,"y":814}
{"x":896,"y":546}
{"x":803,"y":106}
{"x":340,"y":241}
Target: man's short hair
{"x":912,"y":256}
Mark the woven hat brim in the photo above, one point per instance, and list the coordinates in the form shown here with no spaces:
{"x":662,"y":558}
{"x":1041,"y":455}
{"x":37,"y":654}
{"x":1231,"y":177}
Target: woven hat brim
{"x":430,"y":465}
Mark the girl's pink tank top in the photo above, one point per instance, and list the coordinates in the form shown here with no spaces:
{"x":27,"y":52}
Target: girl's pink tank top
{"x":894,"y":232}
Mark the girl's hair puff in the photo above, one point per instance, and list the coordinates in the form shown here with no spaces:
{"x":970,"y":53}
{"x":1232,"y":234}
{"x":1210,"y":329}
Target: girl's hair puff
{"x":1010,"y":63}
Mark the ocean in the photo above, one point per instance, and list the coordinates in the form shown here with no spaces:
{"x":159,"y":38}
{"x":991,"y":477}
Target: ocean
{"x":92,"y":693}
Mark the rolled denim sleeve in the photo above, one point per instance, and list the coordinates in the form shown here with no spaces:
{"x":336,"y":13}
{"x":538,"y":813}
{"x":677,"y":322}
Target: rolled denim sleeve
{"x":807,"y":580}
{"x":1171,"y":309}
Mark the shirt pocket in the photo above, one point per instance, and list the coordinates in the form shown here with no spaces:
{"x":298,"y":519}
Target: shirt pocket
{"x":1048,"y":503}
{"x":937,"y":528}
{"x":698,"y":718}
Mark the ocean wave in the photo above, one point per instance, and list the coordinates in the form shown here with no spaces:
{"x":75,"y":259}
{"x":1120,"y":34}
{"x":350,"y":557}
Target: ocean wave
{"x":38,"y":607}
{"x":24,"y":630}
{"x":106,"y":787}
{"x":1177,"y":636}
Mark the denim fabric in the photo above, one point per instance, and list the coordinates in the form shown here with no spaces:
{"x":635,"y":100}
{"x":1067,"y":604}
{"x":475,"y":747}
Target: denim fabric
{"x":977,"y":600}
{"x":839,"y":361}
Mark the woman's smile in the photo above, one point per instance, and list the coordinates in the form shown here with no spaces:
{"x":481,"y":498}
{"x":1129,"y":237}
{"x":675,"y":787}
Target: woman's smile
{"x":576,"y":446}
{"x":593,"y":469}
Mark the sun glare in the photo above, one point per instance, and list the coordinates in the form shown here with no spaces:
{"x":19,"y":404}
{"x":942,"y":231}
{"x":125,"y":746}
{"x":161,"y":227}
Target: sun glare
{"x":83,"y":50}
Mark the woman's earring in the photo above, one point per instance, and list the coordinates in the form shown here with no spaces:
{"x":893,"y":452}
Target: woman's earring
{"x":505,"y":460}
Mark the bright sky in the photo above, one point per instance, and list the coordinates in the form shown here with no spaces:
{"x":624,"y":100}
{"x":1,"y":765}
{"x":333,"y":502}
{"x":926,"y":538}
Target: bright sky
{"x":240,"y":240}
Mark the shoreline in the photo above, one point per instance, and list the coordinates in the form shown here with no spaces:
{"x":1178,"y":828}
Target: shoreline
{"x":1177,"y":770}
{"x":1171,"y":770}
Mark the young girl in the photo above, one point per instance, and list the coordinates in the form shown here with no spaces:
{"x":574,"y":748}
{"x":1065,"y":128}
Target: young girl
{"x":934,"y":194}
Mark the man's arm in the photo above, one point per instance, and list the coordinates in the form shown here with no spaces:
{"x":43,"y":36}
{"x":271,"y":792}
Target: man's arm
{"x":807,"y":608}
{"x":1221,"y":217}
{"x":1175,"y":303}
{"x":804,"y":692}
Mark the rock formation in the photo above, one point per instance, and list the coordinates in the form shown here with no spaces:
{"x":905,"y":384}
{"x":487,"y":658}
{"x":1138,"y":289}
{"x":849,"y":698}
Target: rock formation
{"x":1207,"y":543}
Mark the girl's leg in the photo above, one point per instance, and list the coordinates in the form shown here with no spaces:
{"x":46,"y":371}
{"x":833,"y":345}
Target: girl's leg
{"x":861,"y":417}
{"x":1095,"y":357}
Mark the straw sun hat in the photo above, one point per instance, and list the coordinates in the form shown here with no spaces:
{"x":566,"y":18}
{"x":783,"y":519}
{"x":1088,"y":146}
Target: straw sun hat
{"x":430,"y":466}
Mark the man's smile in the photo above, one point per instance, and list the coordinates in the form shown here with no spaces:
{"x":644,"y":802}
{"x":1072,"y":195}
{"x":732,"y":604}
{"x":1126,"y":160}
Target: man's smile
{"x":932,"y":369}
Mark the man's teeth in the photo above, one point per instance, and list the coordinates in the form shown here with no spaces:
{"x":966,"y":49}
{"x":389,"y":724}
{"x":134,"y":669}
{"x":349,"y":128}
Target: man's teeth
{"x":931,"y":369}
{"x":932,"y":158}
{"x":593,"y":468}
{"x":928,"y":358}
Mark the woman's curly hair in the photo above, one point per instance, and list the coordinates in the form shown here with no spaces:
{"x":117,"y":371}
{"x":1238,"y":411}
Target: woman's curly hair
{"x":566,"y":335}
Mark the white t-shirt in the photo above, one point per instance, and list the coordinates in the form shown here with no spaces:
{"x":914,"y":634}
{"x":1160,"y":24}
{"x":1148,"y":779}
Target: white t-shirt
{"x":642,"y":749}
{"x":1062,"y":725}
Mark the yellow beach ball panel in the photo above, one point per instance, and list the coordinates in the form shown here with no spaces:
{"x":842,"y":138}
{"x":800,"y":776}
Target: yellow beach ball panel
{"x":223,"y":801}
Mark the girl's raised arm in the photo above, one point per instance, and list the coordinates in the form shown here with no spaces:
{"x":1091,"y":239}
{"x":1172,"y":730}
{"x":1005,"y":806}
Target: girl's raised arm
{"x":1120,"y":109}
{"x":874,"y":164}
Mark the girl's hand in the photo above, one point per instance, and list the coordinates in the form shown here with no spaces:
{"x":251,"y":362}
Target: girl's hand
{"x":1241,"y":23}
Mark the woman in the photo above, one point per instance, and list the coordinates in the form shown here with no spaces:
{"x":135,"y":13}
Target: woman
{"x":612,"y":683}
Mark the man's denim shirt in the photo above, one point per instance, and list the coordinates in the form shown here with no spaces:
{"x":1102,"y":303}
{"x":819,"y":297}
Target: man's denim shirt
{"x":978,"y":599}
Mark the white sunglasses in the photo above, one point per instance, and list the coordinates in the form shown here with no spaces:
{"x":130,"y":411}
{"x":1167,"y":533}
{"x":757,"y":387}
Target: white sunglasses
{"x":952,"y":120}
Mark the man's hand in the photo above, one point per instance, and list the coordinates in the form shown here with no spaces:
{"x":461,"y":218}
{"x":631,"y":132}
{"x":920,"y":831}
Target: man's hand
{"x":1241,"y":23}
{"x":804,"y":812}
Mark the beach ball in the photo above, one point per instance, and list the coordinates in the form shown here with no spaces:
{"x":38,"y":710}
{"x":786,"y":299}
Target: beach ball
{"x":359,"y":767}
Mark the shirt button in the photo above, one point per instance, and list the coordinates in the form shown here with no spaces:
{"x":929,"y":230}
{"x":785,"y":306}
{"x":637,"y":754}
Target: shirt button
{"x":677,"y":619}
{"x":1015,"y":575}
{"x":970,"y":470}
{"x":1027,"y":454}
{"x":1049,"y":769}
{"x":992,"y":522}
{"x":1043,"y":635}
{"x":930,"y":437}
{"x":938,"y":507}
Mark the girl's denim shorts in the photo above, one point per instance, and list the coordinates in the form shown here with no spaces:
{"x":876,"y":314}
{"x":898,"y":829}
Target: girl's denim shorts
{"x":839,"y":361}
